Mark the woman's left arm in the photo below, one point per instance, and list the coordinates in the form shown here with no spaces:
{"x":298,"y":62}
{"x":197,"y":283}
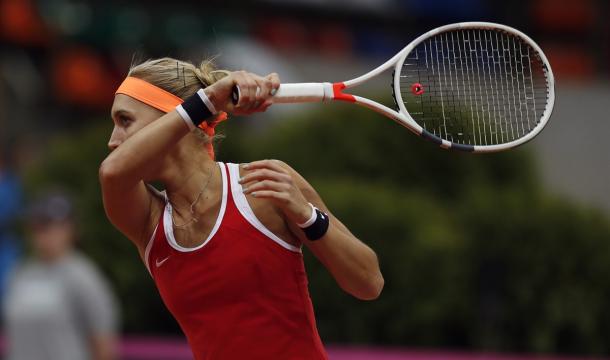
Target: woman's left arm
{"x":352,"y":263}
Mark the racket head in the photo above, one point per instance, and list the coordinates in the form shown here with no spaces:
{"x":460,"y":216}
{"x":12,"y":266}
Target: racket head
{"x":474,"y":86}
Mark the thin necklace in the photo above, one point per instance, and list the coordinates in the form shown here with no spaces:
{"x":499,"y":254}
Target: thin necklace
{"x":192,"y":210}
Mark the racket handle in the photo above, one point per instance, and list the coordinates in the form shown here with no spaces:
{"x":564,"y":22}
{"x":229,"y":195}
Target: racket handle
{"x":296,"y":93}
{"x":303,"y":93}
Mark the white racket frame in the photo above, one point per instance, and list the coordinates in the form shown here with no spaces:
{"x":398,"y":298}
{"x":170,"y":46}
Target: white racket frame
{"x":317,"y":92}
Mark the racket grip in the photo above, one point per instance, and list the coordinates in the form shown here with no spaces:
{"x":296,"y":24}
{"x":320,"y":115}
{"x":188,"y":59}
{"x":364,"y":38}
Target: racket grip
{"x":303,"y":93}
{"x":295,"y":93}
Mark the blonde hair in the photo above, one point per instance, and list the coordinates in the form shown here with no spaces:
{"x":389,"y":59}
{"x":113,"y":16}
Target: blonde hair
{"x":179,"y":77}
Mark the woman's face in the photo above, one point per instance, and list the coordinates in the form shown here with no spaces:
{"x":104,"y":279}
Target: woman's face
{"x":129,"y":116}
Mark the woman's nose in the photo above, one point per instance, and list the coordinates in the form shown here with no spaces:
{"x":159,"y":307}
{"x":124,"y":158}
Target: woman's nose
{"x":115,"y":140}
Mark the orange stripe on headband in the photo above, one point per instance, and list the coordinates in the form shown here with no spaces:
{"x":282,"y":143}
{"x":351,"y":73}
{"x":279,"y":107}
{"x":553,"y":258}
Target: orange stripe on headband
{"x":165,"y":101}
{"x":149,"y":94}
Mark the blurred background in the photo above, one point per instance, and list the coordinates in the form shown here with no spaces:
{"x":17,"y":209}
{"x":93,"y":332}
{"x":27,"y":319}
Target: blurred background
{"x":483,"y":256}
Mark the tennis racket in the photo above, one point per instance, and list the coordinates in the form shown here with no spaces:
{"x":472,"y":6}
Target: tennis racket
{"x":472,"y":86}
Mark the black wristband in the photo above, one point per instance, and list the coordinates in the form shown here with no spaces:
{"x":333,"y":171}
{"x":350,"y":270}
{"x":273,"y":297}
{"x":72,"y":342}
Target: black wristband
{"x":195,"y":109}
{"x":319,"y":228}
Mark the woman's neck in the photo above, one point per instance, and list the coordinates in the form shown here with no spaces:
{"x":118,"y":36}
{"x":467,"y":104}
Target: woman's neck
{"x":187,"y":174}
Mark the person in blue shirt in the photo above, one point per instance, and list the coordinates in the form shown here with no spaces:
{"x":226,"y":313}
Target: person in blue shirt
{"x":10,"y":211}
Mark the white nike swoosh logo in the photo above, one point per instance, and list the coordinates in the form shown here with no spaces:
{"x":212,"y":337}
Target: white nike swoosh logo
{"x":159,"y":263}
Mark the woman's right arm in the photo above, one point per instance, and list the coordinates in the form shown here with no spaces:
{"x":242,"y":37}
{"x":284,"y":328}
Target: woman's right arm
{"x":128,"y":203}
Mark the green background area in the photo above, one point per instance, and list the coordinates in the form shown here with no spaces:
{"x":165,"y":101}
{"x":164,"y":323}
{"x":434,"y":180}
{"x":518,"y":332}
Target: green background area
{"x":475,"y":253}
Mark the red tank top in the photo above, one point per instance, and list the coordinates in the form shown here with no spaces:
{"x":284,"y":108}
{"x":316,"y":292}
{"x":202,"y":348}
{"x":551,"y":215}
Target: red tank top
{"x":242,"y":293}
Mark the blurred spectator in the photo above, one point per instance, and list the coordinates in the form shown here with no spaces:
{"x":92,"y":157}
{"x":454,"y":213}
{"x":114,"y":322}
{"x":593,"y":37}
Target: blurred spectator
{"x":10,"y":206}
{"x":58,"y":306}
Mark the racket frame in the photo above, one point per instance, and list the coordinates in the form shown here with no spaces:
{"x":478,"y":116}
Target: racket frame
{"x":316,"y":92}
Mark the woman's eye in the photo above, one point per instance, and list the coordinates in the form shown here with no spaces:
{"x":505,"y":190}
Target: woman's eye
{"x":124,"y":120}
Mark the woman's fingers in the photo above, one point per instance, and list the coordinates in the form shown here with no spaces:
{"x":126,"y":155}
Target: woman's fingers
{"x":270,"y":179}
{"x":267,"y":185}
{"x":247,"y":90}
{"x":265,"y":174}
{"x":266,"y":178}
{"x":274,"y":80}
{"x":265,"y":164}
{"x":255,"y":91}
{"x":264,"y":106}
{"x":263,"y":92}
{"x":268,"y":194}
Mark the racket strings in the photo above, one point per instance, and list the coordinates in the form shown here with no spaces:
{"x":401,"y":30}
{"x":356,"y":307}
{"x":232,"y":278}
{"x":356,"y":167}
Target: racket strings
{"x":480,"y":87}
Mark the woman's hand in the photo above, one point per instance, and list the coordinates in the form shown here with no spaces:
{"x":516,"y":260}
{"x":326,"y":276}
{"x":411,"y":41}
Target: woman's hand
{"x":255,"y":92}
{"x":269,"y":180}
{"x":353,"y":264}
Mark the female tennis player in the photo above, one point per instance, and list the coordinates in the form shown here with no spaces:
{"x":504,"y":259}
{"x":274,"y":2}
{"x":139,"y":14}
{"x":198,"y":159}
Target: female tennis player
{"x":223,"y":241}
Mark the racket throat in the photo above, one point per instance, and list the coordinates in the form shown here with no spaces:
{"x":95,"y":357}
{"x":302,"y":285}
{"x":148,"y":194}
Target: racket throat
{"x":338,"y":93}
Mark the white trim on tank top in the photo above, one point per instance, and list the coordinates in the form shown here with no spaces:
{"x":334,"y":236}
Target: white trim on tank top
{"x":246,"y":211}
{"x":168,"y":224}
{"x":148,"y":248}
